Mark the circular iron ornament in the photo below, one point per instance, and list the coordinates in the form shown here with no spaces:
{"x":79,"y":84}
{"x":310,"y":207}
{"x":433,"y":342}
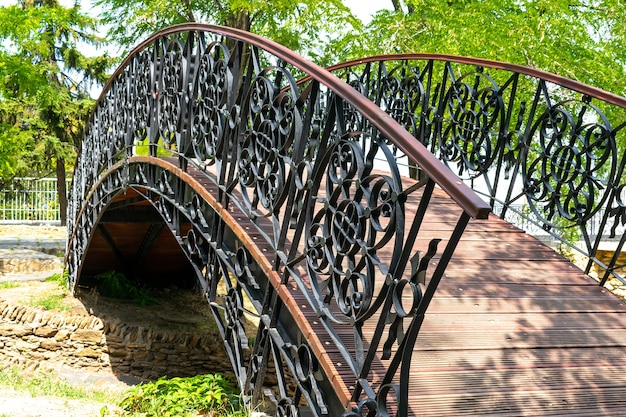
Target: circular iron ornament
{"x":195,"y":247}
{"x":367,"y":407}
{"x":165,"y":209}
{"x":233,"y":303}
{"x":401,"y":95}
{"x":209,"y":102}
{"x":358,"y":216}
{"x":346,"y":163}
{"x":402,"y":300}
{"x":272,"y":122}
{"x":354,"y":293}
{"x":387,"y":394}
{"x":121,"y":111}
{"x":305,"y":364}
{"x":570,"y":164}
{"x":476,"y":119}
{"x":286,"y":408}
{"x":169,"y":89}
{"x":142,"y":95}
{"x":195,"y":209}
{"x":316,"y":249}
{"x":346,"y":225}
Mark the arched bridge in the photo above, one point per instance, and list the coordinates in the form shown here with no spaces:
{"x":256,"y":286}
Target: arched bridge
{"x":340,"y":223}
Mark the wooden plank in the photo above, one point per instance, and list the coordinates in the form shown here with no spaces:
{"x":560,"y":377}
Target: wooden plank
{"x":514,"y":328}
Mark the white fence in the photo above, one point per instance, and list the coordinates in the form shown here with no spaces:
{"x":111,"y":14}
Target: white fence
{"x":30,"y":200}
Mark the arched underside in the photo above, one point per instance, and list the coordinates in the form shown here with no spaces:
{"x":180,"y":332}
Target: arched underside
{"x":132,"y":237}
{"x":163,"y":226}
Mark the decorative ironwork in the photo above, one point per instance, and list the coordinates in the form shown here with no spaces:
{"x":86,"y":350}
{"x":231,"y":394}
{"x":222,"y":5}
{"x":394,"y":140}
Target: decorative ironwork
{"x":517,"y":136}
{"x":321,"y":174}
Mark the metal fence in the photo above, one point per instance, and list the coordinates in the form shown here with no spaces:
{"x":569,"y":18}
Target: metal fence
{"x":28,"y":200}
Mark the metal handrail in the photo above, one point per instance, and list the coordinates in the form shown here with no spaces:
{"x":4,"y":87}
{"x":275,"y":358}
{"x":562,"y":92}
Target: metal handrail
{"x":465,"y":197}
{"x":585,"y":110}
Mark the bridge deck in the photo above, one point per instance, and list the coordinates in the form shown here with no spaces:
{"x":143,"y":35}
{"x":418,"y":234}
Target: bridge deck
{"x":515,"y":329}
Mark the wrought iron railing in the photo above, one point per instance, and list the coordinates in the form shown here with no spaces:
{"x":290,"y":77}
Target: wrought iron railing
{"x":518,"y":136}
{"x":315,"y":168}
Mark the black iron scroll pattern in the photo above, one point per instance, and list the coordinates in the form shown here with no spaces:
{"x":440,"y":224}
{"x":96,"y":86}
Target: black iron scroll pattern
{"x":272,"y":123}
{"x":573,"y":155}
{"x":309,"y":163}
{"x":473,"y":118}
{"x":209,"y":112}
{"x":520,"y":139}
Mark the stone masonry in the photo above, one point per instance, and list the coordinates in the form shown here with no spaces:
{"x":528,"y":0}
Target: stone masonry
{"x":33,"y":334}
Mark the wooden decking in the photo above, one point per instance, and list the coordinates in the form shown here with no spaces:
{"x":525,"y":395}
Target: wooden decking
{"x":514,"y":329}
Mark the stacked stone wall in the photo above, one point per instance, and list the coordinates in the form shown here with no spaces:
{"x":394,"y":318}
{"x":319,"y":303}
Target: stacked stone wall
{"x":33,"y":334}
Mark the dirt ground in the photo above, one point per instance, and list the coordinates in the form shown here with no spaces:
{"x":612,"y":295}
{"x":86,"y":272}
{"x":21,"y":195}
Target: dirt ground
{"x":180,"y":309}
{"x":177,"y":309}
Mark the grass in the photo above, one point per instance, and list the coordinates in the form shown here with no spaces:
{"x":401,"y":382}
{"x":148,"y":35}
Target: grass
{"x":42,"y":384}
{"x":8,"y":285}
{"x":209,"y":395}
{"x":51,"y":302}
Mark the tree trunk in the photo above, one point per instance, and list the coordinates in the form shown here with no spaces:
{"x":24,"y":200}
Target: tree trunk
{"x":62,"y":191}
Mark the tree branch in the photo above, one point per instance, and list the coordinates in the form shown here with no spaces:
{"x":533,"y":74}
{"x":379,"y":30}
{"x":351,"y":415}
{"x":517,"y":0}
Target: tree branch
{"x":189,"y":11}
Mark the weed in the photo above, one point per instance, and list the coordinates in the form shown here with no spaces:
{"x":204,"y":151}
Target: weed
{"x":115,"y":285}
{"x":208,"y":394}
{"x":8,"y":285}
{"x":60,"y":279}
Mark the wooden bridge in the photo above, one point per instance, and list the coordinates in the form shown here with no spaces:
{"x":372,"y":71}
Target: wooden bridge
{"x":327,"y":216}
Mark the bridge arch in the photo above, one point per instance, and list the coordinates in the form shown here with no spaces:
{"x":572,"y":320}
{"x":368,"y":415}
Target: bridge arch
{"x":228,"y":131}
{"x":296,"y":195}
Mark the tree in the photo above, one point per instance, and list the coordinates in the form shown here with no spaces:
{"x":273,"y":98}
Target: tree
{"x":44,"y":87}
{"x":582,"y":40}
{"x":307,"y":26}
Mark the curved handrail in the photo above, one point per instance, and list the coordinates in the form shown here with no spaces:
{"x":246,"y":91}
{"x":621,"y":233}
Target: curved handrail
{"x":466,"y":198}
{"x":314,"y":170}
{"x":582,"y":88}
{"x":524,"y":139}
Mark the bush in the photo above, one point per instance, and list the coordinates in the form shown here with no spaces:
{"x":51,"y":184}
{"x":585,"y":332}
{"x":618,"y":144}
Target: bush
{"x":207,"y":395}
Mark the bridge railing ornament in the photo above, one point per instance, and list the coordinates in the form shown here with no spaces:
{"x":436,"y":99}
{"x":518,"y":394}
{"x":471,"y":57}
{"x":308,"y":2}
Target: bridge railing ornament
{"x":308,"y":222}
{"x":548,"y":152}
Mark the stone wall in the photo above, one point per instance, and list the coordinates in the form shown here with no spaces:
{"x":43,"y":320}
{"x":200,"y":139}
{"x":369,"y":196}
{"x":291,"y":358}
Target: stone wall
{"x":32,"y":334}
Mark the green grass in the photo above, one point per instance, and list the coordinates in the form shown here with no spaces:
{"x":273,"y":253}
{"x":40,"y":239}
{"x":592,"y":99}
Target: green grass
{"x":60,"y":279}
{"x":50,"y":302}
{"x":8,"y":285}
{"x":46,"y":384}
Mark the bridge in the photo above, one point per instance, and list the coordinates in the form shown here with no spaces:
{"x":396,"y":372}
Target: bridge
{"x":351,"y":227}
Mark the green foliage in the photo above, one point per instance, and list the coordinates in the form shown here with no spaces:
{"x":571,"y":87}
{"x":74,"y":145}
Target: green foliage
{"x":45,"y":80}
{"x":60,"y":279}
{"x":203,"y":394}
{"x":307,"y":26}
{"x":115,"y":285}
{"x":581,"y":40}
